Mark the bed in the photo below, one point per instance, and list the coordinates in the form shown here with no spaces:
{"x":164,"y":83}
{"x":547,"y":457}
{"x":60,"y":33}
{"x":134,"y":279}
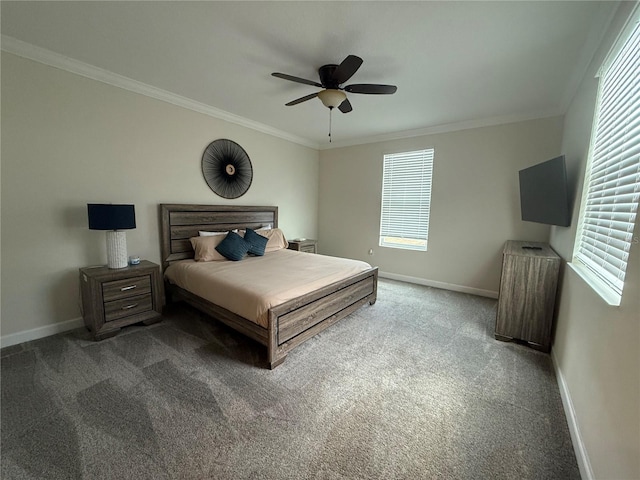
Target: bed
{"x":285,"y":325}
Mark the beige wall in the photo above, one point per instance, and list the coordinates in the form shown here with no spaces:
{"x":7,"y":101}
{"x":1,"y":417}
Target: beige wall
{"x":596,"y":347}
{"x":68,"y":141}
{"x":475,"y":205}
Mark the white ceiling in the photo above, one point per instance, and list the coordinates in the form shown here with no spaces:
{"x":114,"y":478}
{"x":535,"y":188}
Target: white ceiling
{"x":455,"y":63}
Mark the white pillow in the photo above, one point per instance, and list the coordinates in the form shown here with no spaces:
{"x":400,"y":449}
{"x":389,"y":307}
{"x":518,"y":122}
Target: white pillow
{"x":211,"y":234}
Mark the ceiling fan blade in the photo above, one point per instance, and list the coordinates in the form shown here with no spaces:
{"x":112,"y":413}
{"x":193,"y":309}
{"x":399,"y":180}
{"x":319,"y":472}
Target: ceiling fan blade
{"x":345,"y":107}
{"x":346,"y":69}
{"x":296,"y":79}
{"x":301,"y":99}
{"x":371,"y":89}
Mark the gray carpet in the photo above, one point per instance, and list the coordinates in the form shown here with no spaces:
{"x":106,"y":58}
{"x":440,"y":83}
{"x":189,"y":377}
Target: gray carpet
{"x":414,"y":387}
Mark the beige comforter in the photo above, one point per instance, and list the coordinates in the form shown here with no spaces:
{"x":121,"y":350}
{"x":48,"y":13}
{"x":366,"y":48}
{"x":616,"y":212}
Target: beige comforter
{"x":253,"y":285}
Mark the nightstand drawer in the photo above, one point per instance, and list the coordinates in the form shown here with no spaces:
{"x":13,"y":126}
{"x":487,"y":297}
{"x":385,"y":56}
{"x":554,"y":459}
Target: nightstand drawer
{"x":127,"y":307}
{"x":126,"y":288}
{"x":309,"y":248}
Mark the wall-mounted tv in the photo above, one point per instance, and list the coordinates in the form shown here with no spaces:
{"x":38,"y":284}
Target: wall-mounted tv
{"x":543,"y":193}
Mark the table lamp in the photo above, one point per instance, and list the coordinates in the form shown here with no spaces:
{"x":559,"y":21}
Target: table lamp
{"x":113,"y":219}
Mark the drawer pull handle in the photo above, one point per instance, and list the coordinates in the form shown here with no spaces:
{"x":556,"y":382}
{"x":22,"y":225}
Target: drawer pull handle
{"x":127,"y":307}
{"x":130,"y":287}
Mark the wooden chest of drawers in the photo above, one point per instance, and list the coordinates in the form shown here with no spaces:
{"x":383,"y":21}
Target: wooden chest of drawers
{"x":114,"y":298}
{"x":527,"y":293}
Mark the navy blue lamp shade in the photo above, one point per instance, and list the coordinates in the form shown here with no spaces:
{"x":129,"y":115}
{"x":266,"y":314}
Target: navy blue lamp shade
{"x":111,"y":217}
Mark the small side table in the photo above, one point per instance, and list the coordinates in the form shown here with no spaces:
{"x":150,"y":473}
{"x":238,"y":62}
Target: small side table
{"x":306,"y":245}
{"x":115,"y":298}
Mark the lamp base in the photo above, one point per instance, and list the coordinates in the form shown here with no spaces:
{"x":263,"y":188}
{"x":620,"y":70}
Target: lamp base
{"x":116,"y":249}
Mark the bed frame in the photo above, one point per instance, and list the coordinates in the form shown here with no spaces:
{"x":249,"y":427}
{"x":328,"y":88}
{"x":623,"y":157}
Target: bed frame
{"x":290,"y":323}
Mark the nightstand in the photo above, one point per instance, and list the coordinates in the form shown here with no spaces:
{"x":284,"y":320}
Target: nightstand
{"x":306,"y":245}
{"x":115,"y":298}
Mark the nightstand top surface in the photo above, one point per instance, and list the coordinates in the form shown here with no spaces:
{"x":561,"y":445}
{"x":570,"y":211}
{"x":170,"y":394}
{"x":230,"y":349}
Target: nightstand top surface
{"x":127,"y":271}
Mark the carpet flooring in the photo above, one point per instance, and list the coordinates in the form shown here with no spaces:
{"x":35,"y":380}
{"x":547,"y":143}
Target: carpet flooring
{"x":413,"y":387}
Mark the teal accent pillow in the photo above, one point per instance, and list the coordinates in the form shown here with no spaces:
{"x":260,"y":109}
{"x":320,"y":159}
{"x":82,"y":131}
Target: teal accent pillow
{"x":257,"y":243}
{"x":233,"y":247}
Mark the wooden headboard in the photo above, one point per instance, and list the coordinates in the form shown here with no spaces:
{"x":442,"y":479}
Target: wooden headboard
{"x":179,"y":222}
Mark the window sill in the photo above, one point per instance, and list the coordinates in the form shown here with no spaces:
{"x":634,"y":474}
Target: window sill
{"x":605,"y":292}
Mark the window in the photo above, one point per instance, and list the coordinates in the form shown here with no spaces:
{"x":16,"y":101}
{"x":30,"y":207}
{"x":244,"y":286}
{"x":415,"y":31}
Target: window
{"x":406,"y":199}
{"x":612,"y":183}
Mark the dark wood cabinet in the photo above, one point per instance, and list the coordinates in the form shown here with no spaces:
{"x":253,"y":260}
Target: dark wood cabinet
{"x":114,"y":298}
{"x":306,"y":245}
{"x":527,"y":293}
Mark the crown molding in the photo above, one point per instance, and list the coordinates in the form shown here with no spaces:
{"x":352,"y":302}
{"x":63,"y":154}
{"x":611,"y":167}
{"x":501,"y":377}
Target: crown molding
{"x":56,"y":60}
{"x":446,"y":128}
{"x":47,"y":57}
{"x":588,"y":54}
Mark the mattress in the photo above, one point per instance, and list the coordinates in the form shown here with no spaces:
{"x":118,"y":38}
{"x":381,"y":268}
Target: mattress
{"x":252,"y":286}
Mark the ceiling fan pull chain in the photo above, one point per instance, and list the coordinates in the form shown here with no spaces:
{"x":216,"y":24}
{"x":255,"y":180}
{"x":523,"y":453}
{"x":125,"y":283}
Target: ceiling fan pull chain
{"x":330,"y":110}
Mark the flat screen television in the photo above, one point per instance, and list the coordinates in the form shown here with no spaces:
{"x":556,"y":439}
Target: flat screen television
{"x":543,"y":193}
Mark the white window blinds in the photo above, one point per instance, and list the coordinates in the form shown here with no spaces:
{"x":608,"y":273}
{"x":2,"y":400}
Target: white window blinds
{"x":406,"y":200}
{"x":612,"y":183}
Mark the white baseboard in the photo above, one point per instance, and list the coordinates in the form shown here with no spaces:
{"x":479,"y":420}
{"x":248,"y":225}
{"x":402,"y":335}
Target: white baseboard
{"x":40,"y":332}
{"x":586,"y":472}
{"x":442,"y":285}
{"x":47,"y":330}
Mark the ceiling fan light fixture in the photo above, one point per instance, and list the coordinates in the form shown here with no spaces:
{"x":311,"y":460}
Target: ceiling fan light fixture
{"x":332,"y":98}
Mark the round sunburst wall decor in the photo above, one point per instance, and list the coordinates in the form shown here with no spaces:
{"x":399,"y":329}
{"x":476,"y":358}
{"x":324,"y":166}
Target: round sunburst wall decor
{"x":226,"y":168}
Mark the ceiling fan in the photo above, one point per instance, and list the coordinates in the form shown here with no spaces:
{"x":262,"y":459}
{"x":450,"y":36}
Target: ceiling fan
{"x":331,"y":78}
